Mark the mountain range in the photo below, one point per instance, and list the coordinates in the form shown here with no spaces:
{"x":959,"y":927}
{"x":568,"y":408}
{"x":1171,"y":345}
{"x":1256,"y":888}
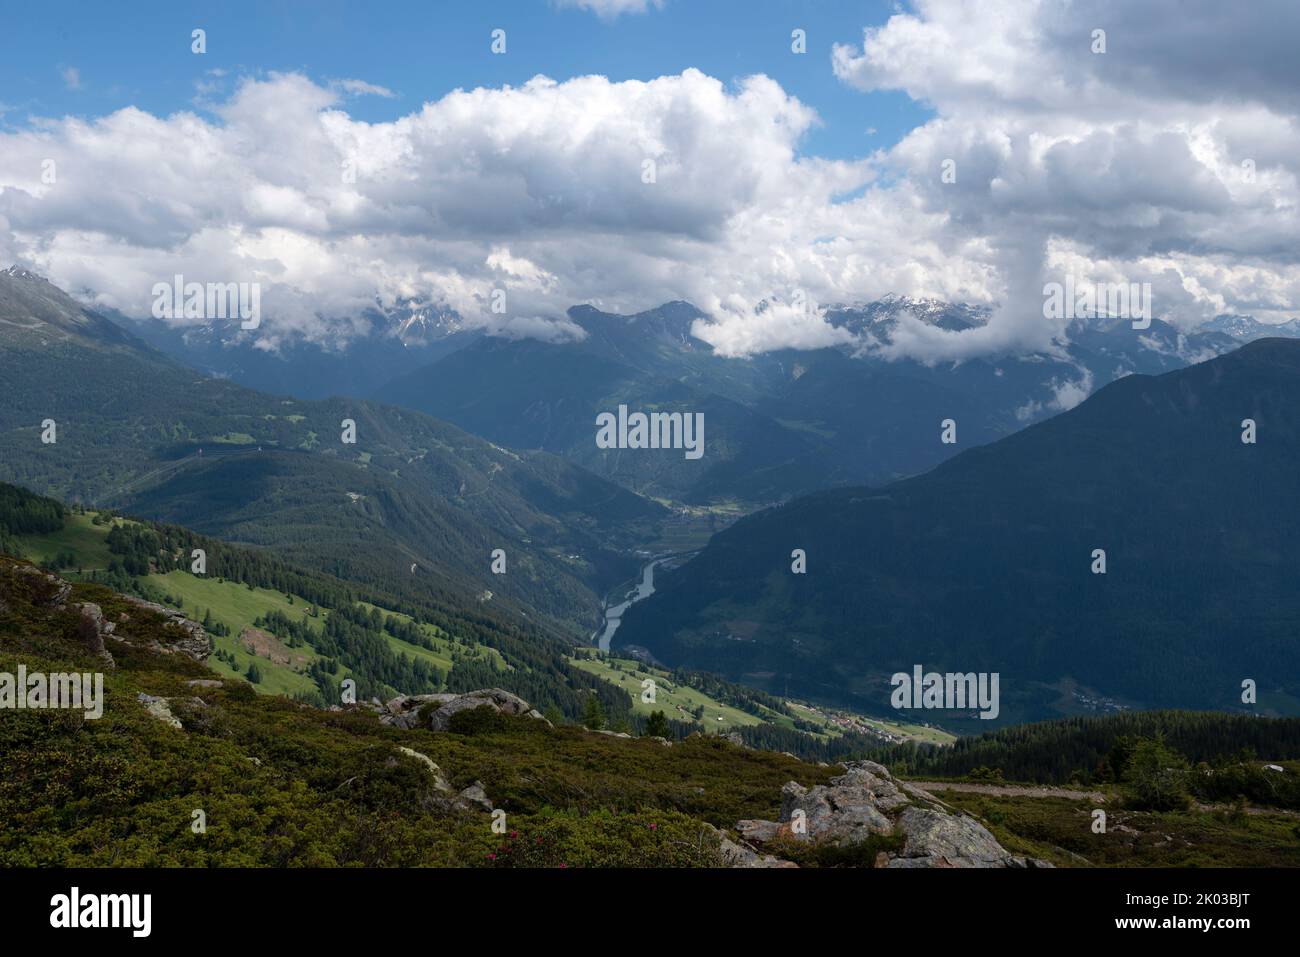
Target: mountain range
{"x":385,"y":341}
{"x":988,"y":563}
{"x":412,"y":498}
{"x":781,"y":423}
{"x":978,"y":562}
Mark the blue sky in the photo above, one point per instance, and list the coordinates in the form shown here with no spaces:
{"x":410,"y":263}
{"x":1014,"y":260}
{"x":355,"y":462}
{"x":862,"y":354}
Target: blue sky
{"x":422,"y":50}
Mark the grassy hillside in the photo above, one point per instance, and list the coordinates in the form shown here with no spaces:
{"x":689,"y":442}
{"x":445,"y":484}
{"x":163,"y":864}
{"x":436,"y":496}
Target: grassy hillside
{"x":79,"y":536}
{"x":237,"y":607}
{"x":280,"y":783}
{"x":304,"y":630}
{"x":681,"y":701}
{"x":302,"y":633}
{"x":675,"y":700}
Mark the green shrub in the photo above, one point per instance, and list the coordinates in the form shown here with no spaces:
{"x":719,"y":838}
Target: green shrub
{"x":1156,"y":777}
{"x":481,"y":720}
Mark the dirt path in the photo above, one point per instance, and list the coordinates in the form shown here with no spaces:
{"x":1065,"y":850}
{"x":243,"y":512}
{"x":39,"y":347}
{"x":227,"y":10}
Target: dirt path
{"x":1011,"y":790}
{"x":1030,"y":790}
{"x":1249,"y":810}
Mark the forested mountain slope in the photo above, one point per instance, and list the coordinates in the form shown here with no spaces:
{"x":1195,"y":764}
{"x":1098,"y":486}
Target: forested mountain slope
{"x":92,"y":415}
{"x":986,"y":564}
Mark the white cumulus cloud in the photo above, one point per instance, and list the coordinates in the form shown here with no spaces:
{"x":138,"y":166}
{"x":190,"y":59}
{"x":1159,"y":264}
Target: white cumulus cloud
{"x":1172,"y":158}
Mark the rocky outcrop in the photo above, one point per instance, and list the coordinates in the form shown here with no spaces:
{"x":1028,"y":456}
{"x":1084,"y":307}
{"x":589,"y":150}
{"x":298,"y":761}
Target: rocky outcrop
{"x":741,"y":855}
{"x":48,"y":590}
{"x":440,"y":783}
{"x":939,"y":839}
{"x":191,"y":639}
{"x":92,"y":628}
{"x":159,"y":709}
{"x":865,"y":802}
{"x":434,"y":711}
{"x":472,"y":799}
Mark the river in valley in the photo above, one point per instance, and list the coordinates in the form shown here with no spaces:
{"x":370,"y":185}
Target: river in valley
{"x":614,"y":613}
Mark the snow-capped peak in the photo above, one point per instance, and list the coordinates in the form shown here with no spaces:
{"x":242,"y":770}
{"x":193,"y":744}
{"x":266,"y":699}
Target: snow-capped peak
{"x":18,"y":272}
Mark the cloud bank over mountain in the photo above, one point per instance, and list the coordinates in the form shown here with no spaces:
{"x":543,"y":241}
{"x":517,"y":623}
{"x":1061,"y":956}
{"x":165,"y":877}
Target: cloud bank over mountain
{"x":1171,"y":158}
{"x":1168,"y":158}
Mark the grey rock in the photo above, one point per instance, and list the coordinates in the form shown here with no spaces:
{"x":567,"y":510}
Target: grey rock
{"x":865,"y":801}
{"x":740,"y":855}
{"x":158,"y":709}
{"x":948,"y":840}
{"x":440,"y":720}
{"x":473,"y":798}
{"x":501,"y":701}
{"x":439,"y":782}
{"x":404,"y":710}
{"x":538,"y":716}
{"x":844,"y":813}
{"x":406,"y":721}
{"x":897,"y":863}
{"x":870,"y":781}
{"x":190,"y":640}
{"x":762,"y":832}
{"x":55,"y":589}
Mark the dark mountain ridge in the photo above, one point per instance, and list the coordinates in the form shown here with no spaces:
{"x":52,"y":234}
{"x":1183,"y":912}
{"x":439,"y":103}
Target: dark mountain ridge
{"x":984,"y":564}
